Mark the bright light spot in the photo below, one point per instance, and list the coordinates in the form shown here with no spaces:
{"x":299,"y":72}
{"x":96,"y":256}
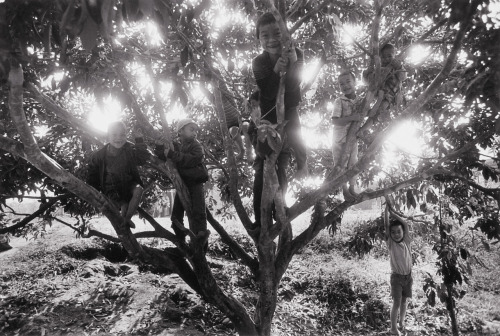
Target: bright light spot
{"x":494,"y":8}
{"x":312,"y":134}
{"x":404,"y":138}
{"x":153,"y":34}
{"x":350,"y":33}
{"x":176,"y":112}
{"x":102,"y":116}
{"x":418,"y":54}
{"x":41,"y":130}
{"x":462,"y":57}
{"x":309,"y":71}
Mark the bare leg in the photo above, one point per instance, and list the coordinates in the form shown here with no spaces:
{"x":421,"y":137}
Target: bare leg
{"x":402,"y":313}
{"x":133,"y":204}
{"x":394,"y":316}
{"x":353,"y":159}
{"x":235,"y":136}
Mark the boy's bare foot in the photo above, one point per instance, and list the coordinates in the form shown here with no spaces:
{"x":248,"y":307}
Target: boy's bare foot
{"x":394,"y":332}
{"x":354,"y":190}
{"x":348,"y":197}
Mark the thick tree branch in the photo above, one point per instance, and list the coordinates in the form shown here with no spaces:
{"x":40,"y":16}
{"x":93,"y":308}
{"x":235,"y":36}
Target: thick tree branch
{"x":64,"y":115}
{"x":252,"y":263}
{"x":12,"y":146}
{"x":308,"y":15}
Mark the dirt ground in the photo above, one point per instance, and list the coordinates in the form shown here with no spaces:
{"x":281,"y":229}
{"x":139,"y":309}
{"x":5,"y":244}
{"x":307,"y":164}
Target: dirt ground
{"x":58,"y":284}
{"x":46,"y":292}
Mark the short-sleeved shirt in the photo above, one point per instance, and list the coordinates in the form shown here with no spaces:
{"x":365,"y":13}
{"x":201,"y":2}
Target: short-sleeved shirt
{"x":400,"y":255}
{"x":342,"y":107}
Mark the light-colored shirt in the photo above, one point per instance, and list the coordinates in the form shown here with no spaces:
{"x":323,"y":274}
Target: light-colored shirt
{"x":400,"y":255}
{"x":342,"y":107}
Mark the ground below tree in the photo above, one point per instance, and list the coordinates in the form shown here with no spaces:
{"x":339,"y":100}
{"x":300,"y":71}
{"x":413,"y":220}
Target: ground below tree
{"x":60,"y":285}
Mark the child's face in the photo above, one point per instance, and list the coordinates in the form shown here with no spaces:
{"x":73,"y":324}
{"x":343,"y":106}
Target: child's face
{"x":347,"y":84}
{"x":270,"y":38}
{"x":397,"y":233}
{"x":386,"y":56}
{"x":189,"y":131}
{"x":117,"y":136}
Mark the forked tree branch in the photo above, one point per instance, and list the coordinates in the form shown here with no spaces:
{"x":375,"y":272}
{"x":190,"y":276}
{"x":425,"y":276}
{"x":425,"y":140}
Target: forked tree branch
{"x":26,"y":220}
{"x":250,"y":262}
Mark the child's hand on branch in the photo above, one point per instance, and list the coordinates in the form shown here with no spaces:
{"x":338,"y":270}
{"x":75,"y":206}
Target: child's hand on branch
{"x":291,"y":54}
{"x":281,"y":64}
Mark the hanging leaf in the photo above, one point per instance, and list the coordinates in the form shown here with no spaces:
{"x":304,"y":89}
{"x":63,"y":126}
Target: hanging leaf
{"x":130,"y":10}
{"x":47,"y":35}
{"x":190,"y":15}
{"x":230,"y":66}
{"x":184,"y":56}
{"x":107,"y":18}
{"x":146,"y":7}
{"x":88,"y":36}
{"x":94,"y":9}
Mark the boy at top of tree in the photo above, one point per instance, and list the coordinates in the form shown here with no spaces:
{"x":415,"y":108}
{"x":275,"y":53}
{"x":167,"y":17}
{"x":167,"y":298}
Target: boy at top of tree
{"x":113,"y":170}
{"x":398,"y":243}
{"x":393,"y":74}
{"x":187,"y":155}
{"x":268,"y":67}
{"x":343,"y":115}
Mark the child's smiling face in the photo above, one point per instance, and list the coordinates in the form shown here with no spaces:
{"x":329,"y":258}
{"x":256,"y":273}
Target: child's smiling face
{"x":397,"y":233}
{"x":347,"y":84}
{"x":117,"y":136}
{"x":386,"y":56}
{"x":270,"y":38}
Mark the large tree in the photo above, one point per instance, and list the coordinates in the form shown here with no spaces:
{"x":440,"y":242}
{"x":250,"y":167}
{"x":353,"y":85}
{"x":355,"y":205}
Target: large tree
{"x":160,"y":58}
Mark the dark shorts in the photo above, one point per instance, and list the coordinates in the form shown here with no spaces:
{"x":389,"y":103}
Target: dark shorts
{"x":401,"y":286}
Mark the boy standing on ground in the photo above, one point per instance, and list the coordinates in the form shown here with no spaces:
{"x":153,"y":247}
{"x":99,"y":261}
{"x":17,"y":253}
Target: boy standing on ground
{"x":344,"y":113}
{"x":268,"y":68}
{"x":398,"y":243}
{"x":113,"y":170}
{"x":187,"y":155}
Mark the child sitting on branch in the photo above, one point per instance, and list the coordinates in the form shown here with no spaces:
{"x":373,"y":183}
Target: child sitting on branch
{"x":389,"y":92}
{"x":113,"y":170}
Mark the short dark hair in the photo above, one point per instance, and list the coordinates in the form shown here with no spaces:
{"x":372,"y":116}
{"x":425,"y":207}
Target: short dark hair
{"x":394,"y":222}
{"x":347,"y":72}
{"x":263,"y":20}
{"x":387,"y":46}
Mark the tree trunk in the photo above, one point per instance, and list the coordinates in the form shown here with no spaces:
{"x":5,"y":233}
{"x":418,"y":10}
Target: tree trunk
{"x":450,"y":306}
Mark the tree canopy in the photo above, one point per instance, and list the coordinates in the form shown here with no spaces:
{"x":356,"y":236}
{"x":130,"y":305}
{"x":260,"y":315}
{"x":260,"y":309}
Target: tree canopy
{"x":68,"y":67}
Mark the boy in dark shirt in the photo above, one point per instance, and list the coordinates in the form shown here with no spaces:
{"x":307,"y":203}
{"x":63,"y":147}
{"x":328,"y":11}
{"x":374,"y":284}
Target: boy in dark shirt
{"x":187,"y":155}
{"x":268,"y":68}
{"x":113,"y":170}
